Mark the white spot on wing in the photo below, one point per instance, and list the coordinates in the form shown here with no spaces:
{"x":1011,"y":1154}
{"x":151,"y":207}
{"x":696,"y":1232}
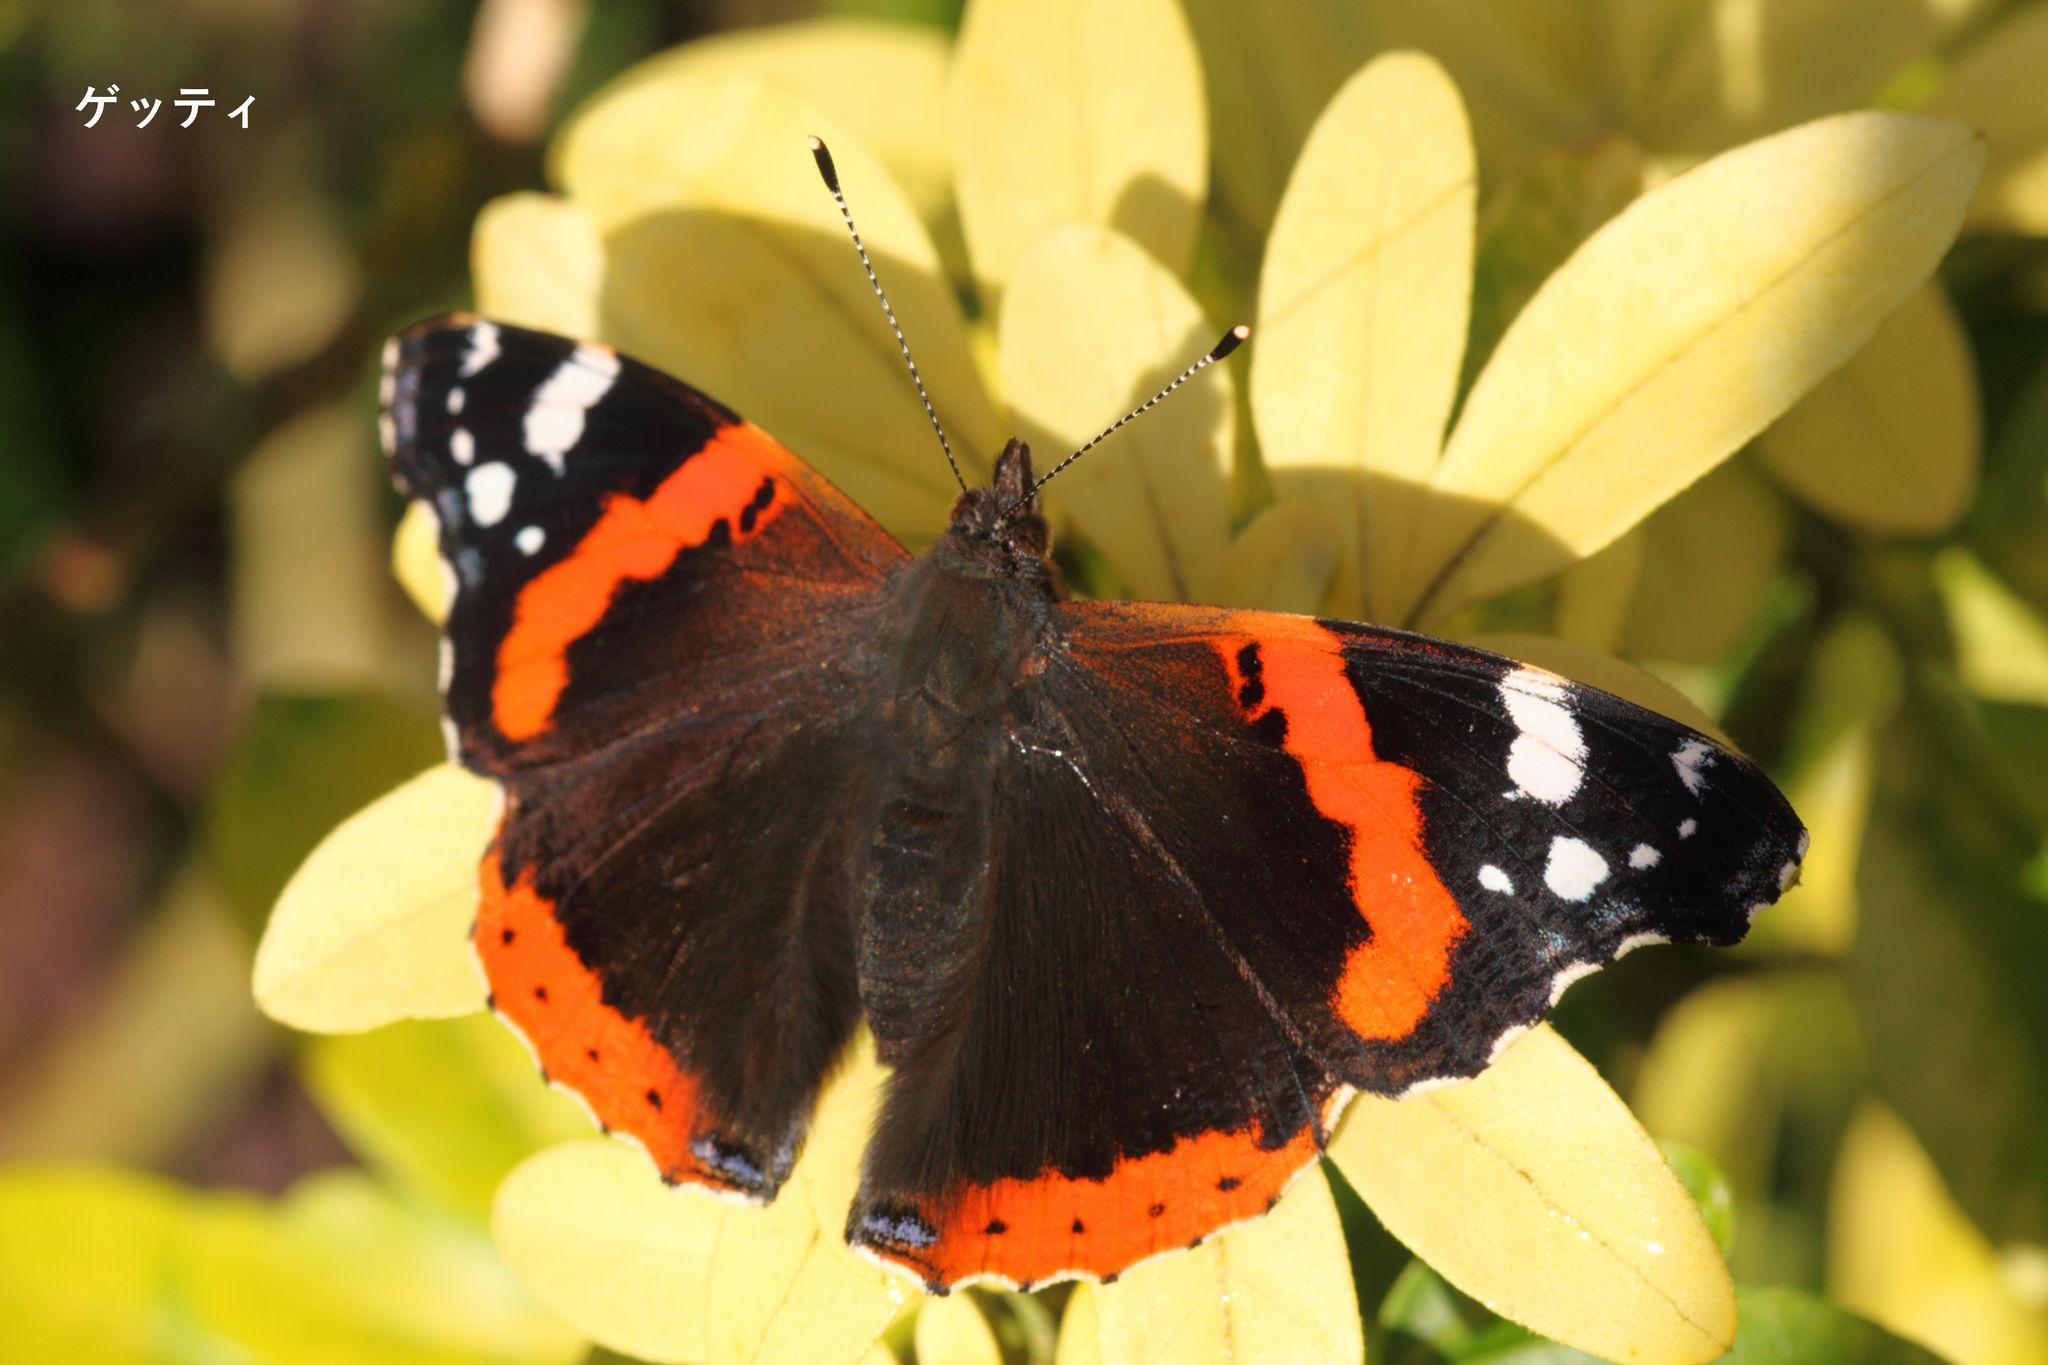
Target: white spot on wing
{"x":447,"y":662}
{"x":530,"y":539}
{"x":489,"y":488}
{"x":1545,"y":761}
{"x":1688,"y":827}
{"x":554,"y":424}
{"x":456,"y":399}
{"x":462,"y":445}
{"x":1692,"y":759}
{"x":1573,"y":869}
{"x":1642,"y":856}
{"x":483,"y":348}
{"x":1493,"y":879}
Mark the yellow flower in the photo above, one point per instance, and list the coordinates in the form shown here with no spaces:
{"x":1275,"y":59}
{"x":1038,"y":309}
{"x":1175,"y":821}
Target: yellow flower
{"x":1580,"y":105}
{"x":690,"y":229}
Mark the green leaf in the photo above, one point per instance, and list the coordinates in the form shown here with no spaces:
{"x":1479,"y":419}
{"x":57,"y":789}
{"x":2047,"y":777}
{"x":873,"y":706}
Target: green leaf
{"x":1787,"y":1327}
{"x":445,"y":1108}
{"x":304,"y":763}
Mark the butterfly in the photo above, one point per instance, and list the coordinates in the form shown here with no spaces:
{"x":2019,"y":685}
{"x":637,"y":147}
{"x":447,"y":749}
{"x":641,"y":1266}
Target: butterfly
{"x":1133,"y":897}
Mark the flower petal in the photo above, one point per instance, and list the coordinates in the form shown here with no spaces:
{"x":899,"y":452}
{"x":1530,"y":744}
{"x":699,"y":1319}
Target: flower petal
{"x":1675,"y":333}
{"x":1285,"y":560}
{"x":1708,"y":556}
{"x":728,"y":267}
{"x":1363,"y":305}
{"x":374,"y":926}
{"x":1533,"y":1189}
{"x":1094,"y":327}
{"x":784,"y":1284}
{"x":538,"y":261}
{"x":1277,"y":1288}
{"x":1902,"y":1253}
{"x":1889,"y":442}
{"x":1077,"y":111}
{"x":1995,"y":85}
{"x":593,"y":1234}
{"x":2001,"y":639}
{"x":884,"y":81}
{"x":442,"y":1108}
{"x":673,"y":1274}
{"x":952,"y":1331}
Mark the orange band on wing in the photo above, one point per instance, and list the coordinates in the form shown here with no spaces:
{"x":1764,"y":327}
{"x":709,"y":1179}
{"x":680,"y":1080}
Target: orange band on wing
{"x":1388,"y":981}
{"x":1029,"y":1231}
{"x":732,"y":482}
{"x":542,"y":988}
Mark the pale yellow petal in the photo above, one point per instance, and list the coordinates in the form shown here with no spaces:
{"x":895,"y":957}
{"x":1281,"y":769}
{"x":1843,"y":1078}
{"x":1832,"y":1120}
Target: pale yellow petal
{"x":592,"y":1233}
{"x":953,"y":1331}
{"x":1084,"y":111}
{"x":1364,"y":298}
{"x":1602,"y":670}
{"x":1533,"y":1189}
{"x":1284,"y":560}
{"x":1593,"y":595}
{"x":416,"y":561}
{"x":1677,"y":332}
{"x":1995,"y":86}
{"x":538,"y":261}
{"x":2001,"y":640}
{"x":784,"y":1285}
{"x":1902,"y":1254}
{"x":1276,"y":1289}
{"x":1890,"y":441}
{"x":673,"y":1274}
{"x":886,"y":82}
{"x":1708,"y":556}
{"x":374,"y":926}
{"x":728,"y":266}
{"x":1094,"y":328}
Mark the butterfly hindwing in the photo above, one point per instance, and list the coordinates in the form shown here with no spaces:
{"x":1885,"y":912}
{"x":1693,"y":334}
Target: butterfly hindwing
{"x":654,"y":638}
{"x":1275,"y":860}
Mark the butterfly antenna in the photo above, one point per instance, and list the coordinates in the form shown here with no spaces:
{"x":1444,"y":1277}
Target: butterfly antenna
{"x":823,"y":156}
{"x":1232,"y":339}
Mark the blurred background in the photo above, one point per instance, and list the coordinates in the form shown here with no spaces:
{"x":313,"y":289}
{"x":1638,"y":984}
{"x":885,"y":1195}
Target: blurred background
{"x":205,"y":662}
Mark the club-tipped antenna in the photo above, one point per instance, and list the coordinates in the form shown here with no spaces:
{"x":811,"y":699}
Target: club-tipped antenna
{"x":823,"y":156}
{"x":1232,"y":339}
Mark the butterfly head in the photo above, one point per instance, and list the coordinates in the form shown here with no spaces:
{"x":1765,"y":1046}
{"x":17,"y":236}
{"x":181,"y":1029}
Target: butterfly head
{"x":1005,"y":514}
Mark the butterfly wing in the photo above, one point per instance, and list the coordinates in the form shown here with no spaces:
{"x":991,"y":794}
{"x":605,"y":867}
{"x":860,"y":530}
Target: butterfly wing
{"x":656,"y":643}
{"x":1241,"y":864}
{"x":607,"y":531}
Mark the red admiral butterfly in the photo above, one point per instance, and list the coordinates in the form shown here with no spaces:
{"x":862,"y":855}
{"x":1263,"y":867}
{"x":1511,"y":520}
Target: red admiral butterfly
{"x":1133,"y":896}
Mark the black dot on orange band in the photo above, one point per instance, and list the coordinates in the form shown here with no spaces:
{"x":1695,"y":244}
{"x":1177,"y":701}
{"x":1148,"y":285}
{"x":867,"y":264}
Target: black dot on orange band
{"x":654,"y":1098}
{"x":506,"y":936}
{"x":540,"y":993}
{"x":996,"y":1228}
{"x":1156,"y":1210}
{"x":1228,"y":1183}
{"x":1078,"y":1229}
{"x":591,"y":1053}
